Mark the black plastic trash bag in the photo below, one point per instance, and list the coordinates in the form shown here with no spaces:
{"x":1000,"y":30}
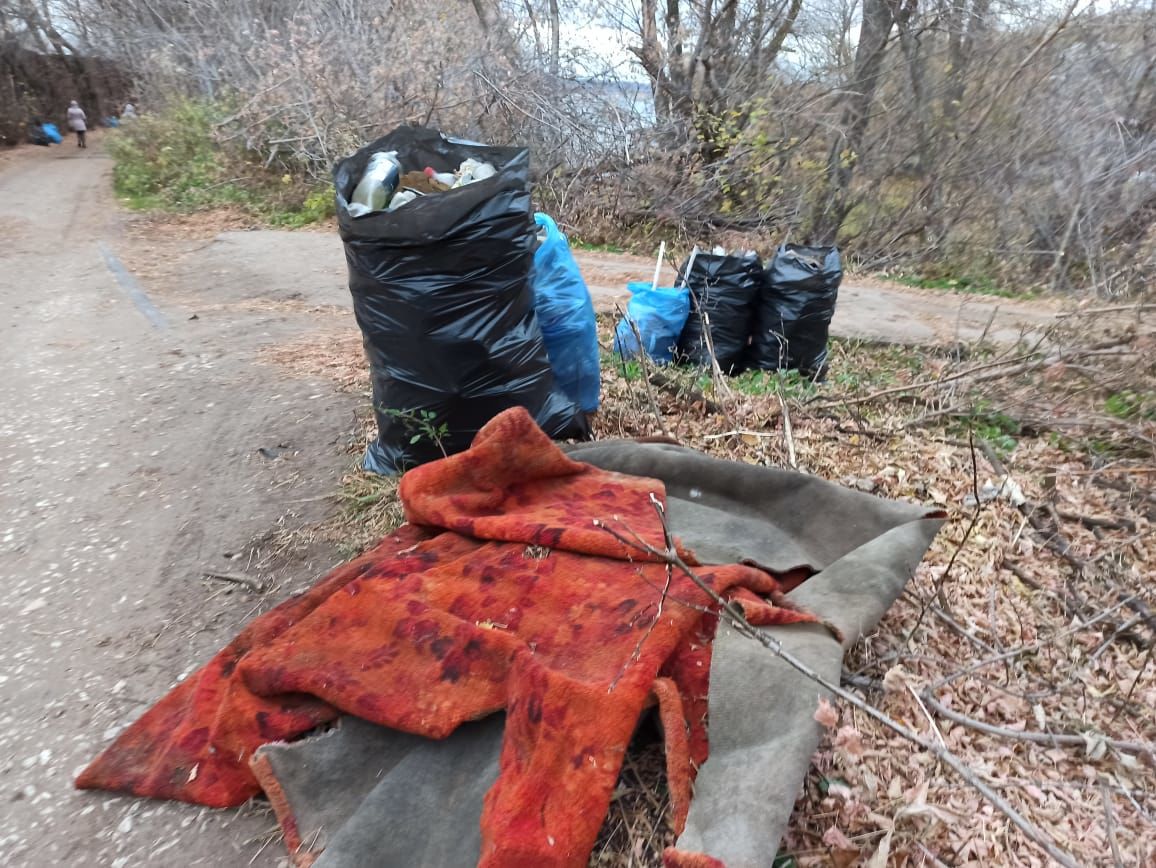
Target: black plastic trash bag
{"x":441,"y":291}
{"x":794,"y":310}
{"x":725,"y":288}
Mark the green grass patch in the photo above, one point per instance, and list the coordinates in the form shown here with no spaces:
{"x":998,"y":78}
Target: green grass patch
{"x":790,"y":384}
{"x":987,"y":423}
{"x":170,"y":159}
{"x":1131,"y":405}
{"x":179,"y":159}
{"x":317,"y":207}
{"x":856,"y":365}
{"x":579,"y":244}
{"x":968,"y":285}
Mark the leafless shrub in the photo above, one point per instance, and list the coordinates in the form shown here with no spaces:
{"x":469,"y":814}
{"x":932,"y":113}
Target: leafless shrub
{"x":1012,"y":141}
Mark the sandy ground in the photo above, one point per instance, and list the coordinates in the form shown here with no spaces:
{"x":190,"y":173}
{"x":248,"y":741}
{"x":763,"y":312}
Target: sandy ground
{"x":129,"y":464}
{"x":142,"y":442}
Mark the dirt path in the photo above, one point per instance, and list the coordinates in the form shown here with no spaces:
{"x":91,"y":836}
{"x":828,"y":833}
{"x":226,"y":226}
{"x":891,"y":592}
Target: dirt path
{"x":308,"y":268}
{"x":129,"y":464}
{"x":869,"y":309}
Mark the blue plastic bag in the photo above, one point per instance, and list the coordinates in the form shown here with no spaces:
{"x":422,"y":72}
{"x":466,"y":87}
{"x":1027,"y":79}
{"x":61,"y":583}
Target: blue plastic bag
{"x":52,"y":133}
{"x":660,"y":313}
{"x":566,"y":315}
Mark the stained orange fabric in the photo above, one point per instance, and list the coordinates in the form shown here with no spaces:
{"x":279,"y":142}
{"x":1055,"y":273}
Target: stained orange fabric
{"x":528,"y":605}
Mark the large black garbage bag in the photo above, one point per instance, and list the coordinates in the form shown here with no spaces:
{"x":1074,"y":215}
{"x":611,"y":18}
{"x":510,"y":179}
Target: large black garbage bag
{"x":725,"y":288}
{"x":794,"y":310}
{"x":441,"y":292}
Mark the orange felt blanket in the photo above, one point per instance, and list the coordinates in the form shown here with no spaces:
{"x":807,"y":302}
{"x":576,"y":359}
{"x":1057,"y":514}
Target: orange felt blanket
{"x":502,"y":592}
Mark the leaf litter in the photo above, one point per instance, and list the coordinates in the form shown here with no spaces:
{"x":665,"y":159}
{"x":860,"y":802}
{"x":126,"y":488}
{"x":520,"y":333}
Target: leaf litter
{"x":1025,"y":645}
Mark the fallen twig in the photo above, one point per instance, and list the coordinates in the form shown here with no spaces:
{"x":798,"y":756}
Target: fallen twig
{"x":788,"y":433}
{"x":926,"y":714}
{"x":1100,"y":470}
{"x":1115,"y":309}
{"x":1110,"y":825}
{"x":720,"y":380}
{"x":942,"y":581}
{"x":1047,"y":738}
{"x":255,"y":585}
{"x":716,"y":371}
{"x":661,"y":605}
{"x":915,"y":387}
{"x":738,"y":432}
{"x":960,"y":629}
{"x":645,"y":374}
{"x":690,"y":393}
{"x":1094,"y":521}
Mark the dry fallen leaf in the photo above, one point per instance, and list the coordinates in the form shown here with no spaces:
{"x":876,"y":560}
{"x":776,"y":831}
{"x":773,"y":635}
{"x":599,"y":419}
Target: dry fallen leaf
{"x":895,"y":680}
{"x":835,"y":839}
{"x":849,"y":739}
{"x":917,"y":806}
{"x":1009,"y":588}
{"x":826,"y":714}
{"x":882,"y":852}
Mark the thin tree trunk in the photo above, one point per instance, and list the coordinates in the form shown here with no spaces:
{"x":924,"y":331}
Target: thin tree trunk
{"x":874,"y":35}
{"x":555,"y":37}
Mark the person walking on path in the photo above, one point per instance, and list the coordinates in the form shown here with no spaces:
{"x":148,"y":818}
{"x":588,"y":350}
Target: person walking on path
{"x":76,"y":123}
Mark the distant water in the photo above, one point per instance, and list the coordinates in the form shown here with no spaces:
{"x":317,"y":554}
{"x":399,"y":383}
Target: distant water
{"x":632,"y":98}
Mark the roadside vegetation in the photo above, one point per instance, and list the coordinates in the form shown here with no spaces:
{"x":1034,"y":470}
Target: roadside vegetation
{"x":963,"y":146}
{"x":179,"y":160}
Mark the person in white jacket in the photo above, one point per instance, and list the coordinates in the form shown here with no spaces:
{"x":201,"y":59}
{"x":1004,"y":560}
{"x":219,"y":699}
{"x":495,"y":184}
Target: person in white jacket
{"x":77,"y":123}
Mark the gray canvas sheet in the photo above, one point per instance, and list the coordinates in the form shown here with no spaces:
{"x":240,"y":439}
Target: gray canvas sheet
{"x":374,"y":798}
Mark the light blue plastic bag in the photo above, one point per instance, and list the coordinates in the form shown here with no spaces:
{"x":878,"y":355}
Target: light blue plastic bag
{"x":566,"y":315}
{"x":52,"y":133}
{"x":660,"y":313}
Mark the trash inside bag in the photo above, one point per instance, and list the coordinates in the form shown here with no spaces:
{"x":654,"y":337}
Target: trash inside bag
{"x":659,"y":313}
{"x":473,"y":170}
{"x":441,"y":292}
{"x":566,"y":315}
{"x":384,"y":185}
{"x":794,"y":309}
{"x":52,"y":133}
{"x":724,"y":288}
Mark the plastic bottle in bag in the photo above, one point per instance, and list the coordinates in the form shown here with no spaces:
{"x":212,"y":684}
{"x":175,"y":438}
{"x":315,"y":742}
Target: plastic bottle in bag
{"x":377,"y":184}
{"x":446,"y":179}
